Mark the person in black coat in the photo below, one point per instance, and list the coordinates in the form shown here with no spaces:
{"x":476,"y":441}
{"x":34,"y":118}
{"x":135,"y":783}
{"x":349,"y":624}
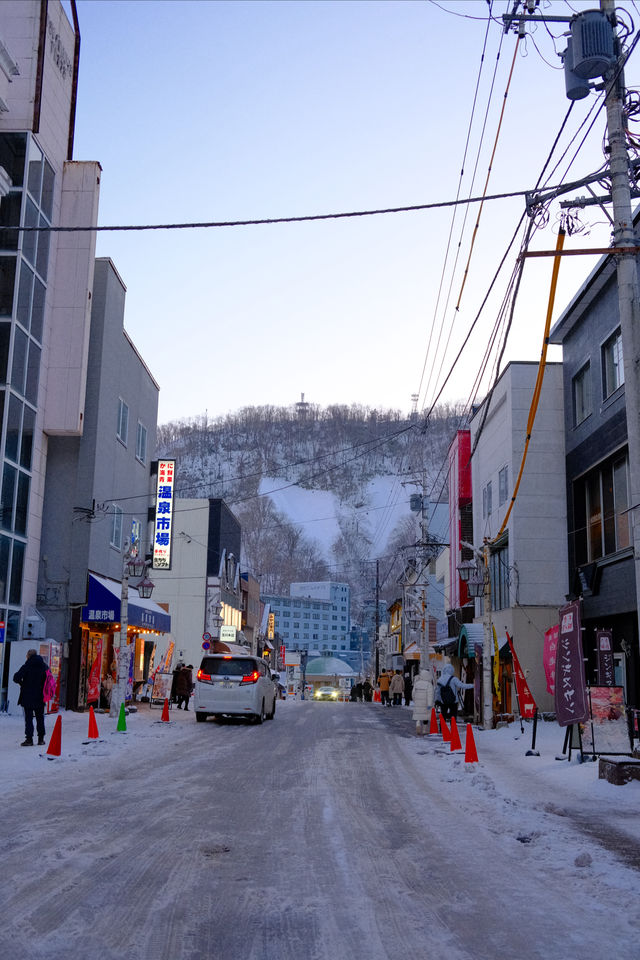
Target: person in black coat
{"x":184,"y":686}
{"x":30,"y":678}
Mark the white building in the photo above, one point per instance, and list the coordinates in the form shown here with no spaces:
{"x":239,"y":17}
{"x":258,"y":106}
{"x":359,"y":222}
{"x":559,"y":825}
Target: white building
{"x":528,"y":563}
{"x":45,"y":283}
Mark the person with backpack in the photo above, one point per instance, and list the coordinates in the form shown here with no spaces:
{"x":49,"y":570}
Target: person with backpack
{"x":31,"y":678}
{"x":448,"y":690}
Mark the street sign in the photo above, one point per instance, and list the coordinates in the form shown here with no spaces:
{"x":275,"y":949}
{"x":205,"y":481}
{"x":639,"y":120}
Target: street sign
{"x":206,"y":636}
{"x":205,"y":645}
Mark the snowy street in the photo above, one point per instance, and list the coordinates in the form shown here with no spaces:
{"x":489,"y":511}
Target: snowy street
{"x":332,"y":832}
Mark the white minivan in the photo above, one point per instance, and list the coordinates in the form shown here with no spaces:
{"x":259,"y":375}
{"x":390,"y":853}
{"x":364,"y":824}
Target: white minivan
{"x":234,"y":685}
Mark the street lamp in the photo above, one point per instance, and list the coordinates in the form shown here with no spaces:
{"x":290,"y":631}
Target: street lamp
{"x":133,"y":566}
{"x":478,"y":582}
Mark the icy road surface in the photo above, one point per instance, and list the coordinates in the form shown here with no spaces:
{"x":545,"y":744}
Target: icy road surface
{"x":329,"y":834}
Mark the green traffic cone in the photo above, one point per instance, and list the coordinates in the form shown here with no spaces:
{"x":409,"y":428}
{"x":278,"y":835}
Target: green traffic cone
{"x":122,"y":723}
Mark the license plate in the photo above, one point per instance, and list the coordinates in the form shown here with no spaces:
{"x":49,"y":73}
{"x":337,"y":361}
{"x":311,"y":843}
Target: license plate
{"x":227,"y":683}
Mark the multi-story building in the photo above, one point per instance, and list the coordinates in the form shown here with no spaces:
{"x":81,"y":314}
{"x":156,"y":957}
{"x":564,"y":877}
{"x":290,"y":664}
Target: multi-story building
{"x":528,"y":559}
{"x":45,"y":284}
{"x":204,"y":581}
{"x":600,"y":549}
{"x":314,"y":617}
{"x":97,"y":495}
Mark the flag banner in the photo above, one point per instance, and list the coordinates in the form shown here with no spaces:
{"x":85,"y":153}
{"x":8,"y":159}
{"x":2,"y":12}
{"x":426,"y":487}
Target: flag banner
{"x":496,"y":664}
{"x":571,"y":701}
{"x":165,"y":664}
{"x":525,"y":697}
{"x":549,"y":656}
{"x":606,"y":668}
{"x":93,"y":685}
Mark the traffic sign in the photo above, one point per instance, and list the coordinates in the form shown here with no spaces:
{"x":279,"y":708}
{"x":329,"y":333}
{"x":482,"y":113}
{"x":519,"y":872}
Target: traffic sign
{"x":206,"y":636}
{"x":2,"y":628}
{"x":205,"y":645}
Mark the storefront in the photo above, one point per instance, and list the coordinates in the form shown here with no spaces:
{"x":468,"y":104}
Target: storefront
{"x":148,"y":623}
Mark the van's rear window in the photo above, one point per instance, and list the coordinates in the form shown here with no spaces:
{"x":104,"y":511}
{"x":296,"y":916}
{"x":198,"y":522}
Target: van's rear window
{"x":234,"y":667}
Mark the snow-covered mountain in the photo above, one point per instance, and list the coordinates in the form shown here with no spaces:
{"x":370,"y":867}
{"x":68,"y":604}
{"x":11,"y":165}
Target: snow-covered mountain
{"x":320,"y":492}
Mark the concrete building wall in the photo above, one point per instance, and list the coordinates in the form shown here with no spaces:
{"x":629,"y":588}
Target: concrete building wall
{"x":183,"y":587}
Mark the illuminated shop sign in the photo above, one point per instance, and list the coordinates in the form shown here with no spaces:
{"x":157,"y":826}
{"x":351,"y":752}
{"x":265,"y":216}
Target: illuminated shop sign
{"x":164,"y":515}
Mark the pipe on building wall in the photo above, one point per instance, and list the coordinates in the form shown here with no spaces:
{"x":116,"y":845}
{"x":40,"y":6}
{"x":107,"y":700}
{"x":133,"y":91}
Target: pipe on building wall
{"x":37,"y":96}
{"x":74,"y":81}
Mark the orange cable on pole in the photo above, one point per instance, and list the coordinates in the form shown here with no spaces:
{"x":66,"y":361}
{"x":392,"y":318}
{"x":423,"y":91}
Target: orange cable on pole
{"x":540,"y":377}
{"x":486,"y":183}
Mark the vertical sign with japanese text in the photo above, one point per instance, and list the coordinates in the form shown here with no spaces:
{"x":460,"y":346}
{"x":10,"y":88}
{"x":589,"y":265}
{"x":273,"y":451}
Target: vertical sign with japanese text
{"x":570,"y":689}
{"x":164,"y":515}
{"x":606,"y":667}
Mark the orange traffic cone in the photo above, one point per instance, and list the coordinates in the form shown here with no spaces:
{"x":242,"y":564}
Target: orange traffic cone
{"x":165,"y":711}
{"x":55,"y":744}
{"x":93,"y":726}
{"x":470,"y":752}
{"x":433,"y":726}
{"x":455,"y":736}
{"x":446,"y":733}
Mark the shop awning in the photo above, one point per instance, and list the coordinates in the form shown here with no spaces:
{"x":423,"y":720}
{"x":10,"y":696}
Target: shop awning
{"x":268,"y":645}
{"x":103,"y":606}
{"x":443,"y":645}
{"x":471,"y":636}
{"x":411,"y":652}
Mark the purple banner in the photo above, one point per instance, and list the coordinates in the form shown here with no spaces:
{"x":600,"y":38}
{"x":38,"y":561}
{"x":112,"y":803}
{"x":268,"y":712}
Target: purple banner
{"x":570,"y":689}
{"x":606,"y":669}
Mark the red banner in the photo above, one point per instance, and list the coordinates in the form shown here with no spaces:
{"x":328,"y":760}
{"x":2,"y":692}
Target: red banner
{"x":551,"y":638}
{"x":93,"y":686}
{"x":525,"y":697}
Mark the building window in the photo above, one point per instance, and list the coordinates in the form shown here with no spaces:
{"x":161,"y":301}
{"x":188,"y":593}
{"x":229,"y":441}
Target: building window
{"x":116,"y":527}
{"x":486,"y":501}
{"x":503,"y":485}
{"x":612,"y":365}
{"x":601,"y":511}
{"x":582,"y":395}
{"x":122,"y":431}
{"x":499,"y":574}
{"x":141,"y":443}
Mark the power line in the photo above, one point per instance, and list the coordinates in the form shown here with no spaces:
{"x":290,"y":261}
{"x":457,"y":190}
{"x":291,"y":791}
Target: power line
{"x":210,"y":224}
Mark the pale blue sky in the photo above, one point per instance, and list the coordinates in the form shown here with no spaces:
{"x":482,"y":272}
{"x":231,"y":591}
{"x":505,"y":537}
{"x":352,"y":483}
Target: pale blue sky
{"x":203,"y":111}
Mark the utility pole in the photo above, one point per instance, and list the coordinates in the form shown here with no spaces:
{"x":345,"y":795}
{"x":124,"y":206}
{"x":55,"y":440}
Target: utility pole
{"x":377,"y":620}
{"x":627,"y":273}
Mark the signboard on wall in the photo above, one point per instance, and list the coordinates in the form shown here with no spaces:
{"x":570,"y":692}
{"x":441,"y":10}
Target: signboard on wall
{"x":164,"y":515}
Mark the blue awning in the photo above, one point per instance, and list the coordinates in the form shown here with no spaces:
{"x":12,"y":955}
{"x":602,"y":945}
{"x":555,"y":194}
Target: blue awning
{"x":103,"y":606}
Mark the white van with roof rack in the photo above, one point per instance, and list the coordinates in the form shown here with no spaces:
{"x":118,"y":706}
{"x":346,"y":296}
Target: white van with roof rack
{"x":234,"y":685}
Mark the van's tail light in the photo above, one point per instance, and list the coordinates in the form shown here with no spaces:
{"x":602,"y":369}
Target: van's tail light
{"x":251,"y":677}
{"x":203,"y":677}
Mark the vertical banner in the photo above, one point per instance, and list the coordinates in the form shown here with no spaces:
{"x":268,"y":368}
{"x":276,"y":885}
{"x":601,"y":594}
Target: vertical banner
{"x":164,"y":516}
{"x":606,"y":669}
{"x":570,"y":690}
{"x":496,"y":664}
{"x":549,"y":656}
{"x":525,"y":697}
{"x":93,"y":683}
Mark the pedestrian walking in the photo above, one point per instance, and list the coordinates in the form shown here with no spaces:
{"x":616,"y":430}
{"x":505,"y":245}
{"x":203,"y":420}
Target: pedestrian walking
{"x":175,"y":674}
{"x":184,"y":686}
{"x":396,"y":688}
{"x":448,"y":691}
{"x":367,"y":690}
{"x":423,"y":692}
{"x":383,"y":686}
{"x":408,"y":688}
{"x":30,"y":678}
